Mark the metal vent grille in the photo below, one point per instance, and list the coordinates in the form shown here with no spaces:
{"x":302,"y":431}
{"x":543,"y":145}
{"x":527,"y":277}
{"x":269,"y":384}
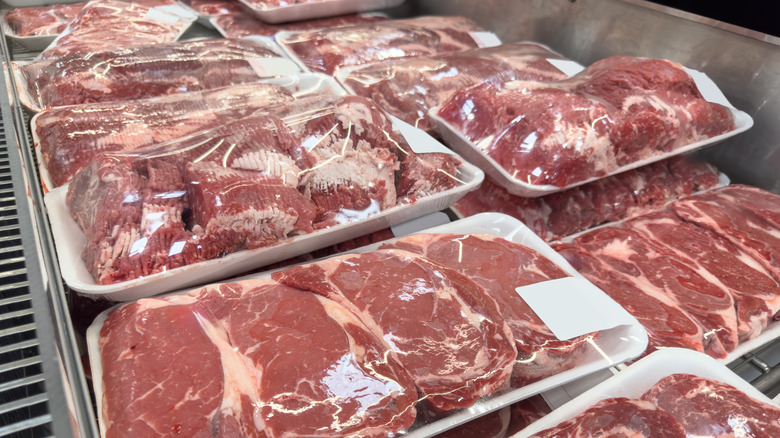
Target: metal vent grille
{"x":24,"y":408}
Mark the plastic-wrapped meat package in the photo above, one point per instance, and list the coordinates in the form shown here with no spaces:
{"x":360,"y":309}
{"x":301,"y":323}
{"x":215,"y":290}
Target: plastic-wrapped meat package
{"x":242,"y":24}
{"x":327,"y":49}
{"x":70,"y":136}
{"x":540,"y":353}
{"x":289,"y":363}
{"x":266,"y":4}
{"x":251,"y":183}
{"x":210,"y":8}
{"x":617,"y":112}
{"x":114,"y":24}
{"x":41,"y":20}
{"x":143,"y":71}
{"x":446,"y":330}
{"x":409,"y":88}
{"x":627,"y":194}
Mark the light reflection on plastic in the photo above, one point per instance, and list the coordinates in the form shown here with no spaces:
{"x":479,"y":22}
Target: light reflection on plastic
{"x":138,"y":246}
{"x":468,"y":109}
{"x":345,"y":215}
{"x":176,"y":248}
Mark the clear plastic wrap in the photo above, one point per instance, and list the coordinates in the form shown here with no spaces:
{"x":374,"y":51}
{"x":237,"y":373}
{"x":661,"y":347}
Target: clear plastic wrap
{"x":212,"y":8}
{"x":41,"y":20}
{"x":675,"y":393}
{"x":252,"y":183}
{"x":617,"y":114}
{"x":609,"y":199}
{"x":145,"y":71}
{"x":409,"y":88}
{"x":286,"y":11}
{"x":68,"y":137}
{"x":242,"y":25}
{"x":114,"y":24}
{"x":328,"y":49}
{"x":683,"y":277}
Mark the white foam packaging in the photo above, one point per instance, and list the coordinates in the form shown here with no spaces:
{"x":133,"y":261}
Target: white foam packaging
{"x":639,"y":377}
{"x":468,"y":150}
{"x":613,"y":346}
{"x":34,"y":43}
{"x":308,"y":10}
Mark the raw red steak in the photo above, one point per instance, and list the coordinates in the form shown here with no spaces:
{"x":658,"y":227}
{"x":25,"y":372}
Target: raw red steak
{"x":241,"y":25}
{"x":409,"y":88}
{"x":41,"y":20}
{"x":756,"y":294}
{"x":616,"y":112}
{"x":500,"y":267}
{"x":446,"y":329}
{"x":311,"y":367}
{"x":70,"y":136}
{"x":327,"y":49}
{"x":657,"y":271}
{"x":618,"y":418}
{"x":666,"y":323}
{"x":424,"y":174}
{"x":707,"y":407}
{"x":142,"y":71}
{"x":762,"y":203}
{"x":215,"y":7}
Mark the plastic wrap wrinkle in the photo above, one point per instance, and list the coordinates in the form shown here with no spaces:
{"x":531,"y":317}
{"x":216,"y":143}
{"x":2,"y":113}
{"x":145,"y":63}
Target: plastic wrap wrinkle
{"x":251,"y":183}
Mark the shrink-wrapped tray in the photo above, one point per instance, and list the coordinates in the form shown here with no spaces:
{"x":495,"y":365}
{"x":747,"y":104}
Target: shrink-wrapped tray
{"x":284,"y":11}
{"x":242,"y":24}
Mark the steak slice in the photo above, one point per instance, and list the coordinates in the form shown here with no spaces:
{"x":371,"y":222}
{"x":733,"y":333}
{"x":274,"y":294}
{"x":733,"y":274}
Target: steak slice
{"x":762,"y":203}
{"x":425,"y":174}
{"x":618,"y":418}
{"x":500,"y":267}
{"x":446,"y":330}
{"x":707,"y":407}
{"x":316,"y":369}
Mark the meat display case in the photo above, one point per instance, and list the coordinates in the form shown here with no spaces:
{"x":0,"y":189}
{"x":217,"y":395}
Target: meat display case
{"x":43,"y":390}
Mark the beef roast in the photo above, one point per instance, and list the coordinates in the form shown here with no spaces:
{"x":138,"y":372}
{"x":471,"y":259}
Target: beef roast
{"x":447,"y":331}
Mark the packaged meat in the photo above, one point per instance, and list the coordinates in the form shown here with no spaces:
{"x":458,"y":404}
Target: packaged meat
{"x":68,"y":137}
{"x":688,"y":281}
{"x":389,"y":301}
{"x":115,"y":24}
{"x":257,"y":182}
{"x":610,"y":199}
{"x":285,"y":11}
{"x":146,"y":71}
{"x":41,"y":20}
{"x":672,"y":392}
{"x":619,"y":113}
{"x":409,"y":88}
{"x":326,"y":50}
{"x":242,"y":24}
{"x":213,"y":8}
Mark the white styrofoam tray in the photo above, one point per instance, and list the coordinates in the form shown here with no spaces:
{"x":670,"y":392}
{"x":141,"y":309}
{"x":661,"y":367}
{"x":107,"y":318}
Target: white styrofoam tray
{"x":299,"y":84}
{"x":612,"y":347}
{"x":264,"y":67}
{"x":515,"y":186}
{"x":70,"y":240}
{"x":316,"y":9}
{"x":636,"y":379}
{"x":34,"y":43}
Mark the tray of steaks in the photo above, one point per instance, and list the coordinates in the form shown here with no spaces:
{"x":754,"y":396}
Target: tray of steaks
{"x":700,"y":273}
{"x":284,"y":11}
{"x":34,"y":28}
{"x":410,"y":336}
{"x":66,"y":138}
{"x":326,"y":50}
{"x":147,"y":71}
{"x":208,"y":9}
{"x":244,"y":24}
{"x":408,"y":88}
{"x":671,"y":393}
{"x":535,"y":138}
{"x":307,"y":174}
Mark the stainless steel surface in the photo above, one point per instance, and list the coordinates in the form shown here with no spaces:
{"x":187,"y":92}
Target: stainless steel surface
{"x":744,"y":64}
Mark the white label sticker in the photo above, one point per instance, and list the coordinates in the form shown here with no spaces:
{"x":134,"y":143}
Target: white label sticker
{"x":267,"y":67}
{"x":709,"y":91}
{"x":418,"y":140}
{"x":160,"y":15}
{"x":567,"y":66}
{"x":485,"y":39}
{"x":573,"y":306}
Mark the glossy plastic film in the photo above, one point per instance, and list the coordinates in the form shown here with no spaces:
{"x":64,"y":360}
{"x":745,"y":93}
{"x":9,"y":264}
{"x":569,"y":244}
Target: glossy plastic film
{"x":117,"y":75}
{"x":619,"y":113}
{"x":130,"y":24}
{"x":34,"y":28}
{"x":326,"y":50}
{"x":66,"y":138}
{"x":242,"y":24}
{"x":213,"y":8}
{"x":409,"y":88}
{"x":285,"y":11}
{"x":394,"y":300}
{"x":315,"y":167}
{"x":687,"y":377}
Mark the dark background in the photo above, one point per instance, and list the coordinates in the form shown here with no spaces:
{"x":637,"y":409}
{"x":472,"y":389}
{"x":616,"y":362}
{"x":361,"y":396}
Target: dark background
{"x":759,"y":15}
